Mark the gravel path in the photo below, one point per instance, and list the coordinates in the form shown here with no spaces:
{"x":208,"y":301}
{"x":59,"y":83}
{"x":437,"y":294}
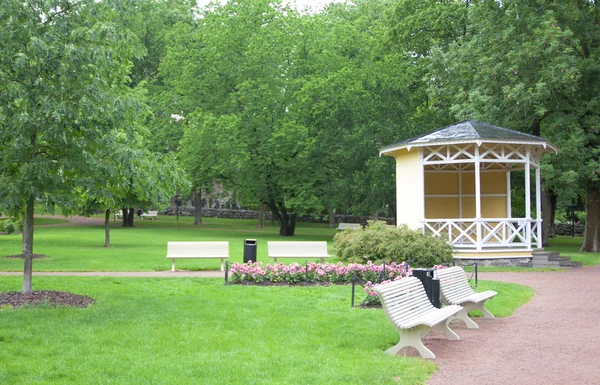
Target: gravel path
{"x":554,"y":339}
{"x":168,"y":274}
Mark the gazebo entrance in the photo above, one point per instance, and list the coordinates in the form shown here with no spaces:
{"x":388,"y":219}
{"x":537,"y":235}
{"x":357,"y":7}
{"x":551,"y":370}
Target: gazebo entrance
{"x":455,"y":183}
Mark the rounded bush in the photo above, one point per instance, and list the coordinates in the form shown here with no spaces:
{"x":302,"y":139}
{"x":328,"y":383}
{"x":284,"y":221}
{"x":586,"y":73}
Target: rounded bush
{"x":378,"y":243}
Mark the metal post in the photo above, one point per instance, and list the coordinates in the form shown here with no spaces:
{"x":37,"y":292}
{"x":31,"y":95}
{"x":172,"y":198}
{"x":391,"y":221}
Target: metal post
{"x":476,"y":273}
{"x":226,"y":272}
{"x":353,"y":285}
{"x":306,"y":271}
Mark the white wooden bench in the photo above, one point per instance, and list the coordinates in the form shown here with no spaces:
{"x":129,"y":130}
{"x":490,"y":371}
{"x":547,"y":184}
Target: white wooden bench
{"x":219,"y":250}
{"x":297,"y":250}
{"x":150,"y":214}
{"x":455,"y":290}
{"x":119,"y":215}
{"x":349,"y":226}
{"x":410,"y":311}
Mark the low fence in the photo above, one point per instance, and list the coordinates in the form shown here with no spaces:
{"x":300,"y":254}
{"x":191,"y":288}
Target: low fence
{"x":253,"y":214}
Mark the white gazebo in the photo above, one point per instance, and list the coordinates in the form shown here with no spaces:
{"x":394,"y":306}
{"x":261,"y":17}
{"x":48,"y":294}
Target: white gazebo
{"x":455,"y":183}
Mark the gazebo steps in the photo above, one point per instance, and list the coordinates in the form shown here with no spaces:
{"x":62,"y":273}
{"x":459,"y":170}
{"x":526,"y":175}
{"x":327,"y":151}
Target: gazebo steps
{"x":552,"y":259}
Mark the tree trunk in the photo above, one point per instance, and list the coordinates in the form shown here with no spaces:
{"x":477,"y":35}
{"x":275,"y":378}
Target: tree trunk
{"x":261,"y":215}
{"x":128,"y":217}
{"x":548,"y":213}
{"x":591,"y":239}
{"x":331,"y":215}
{"x":198,"y":206}
{"x":287,"y":222}
{"x":107,"y":228}
{"x":28,"y":246}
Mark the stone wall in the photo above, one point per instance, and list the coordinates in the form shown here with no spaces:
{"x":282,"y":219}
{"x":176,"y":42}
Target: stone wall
{"x":513,"y":262}
{"x":567,"y":229}
{"x":252,"y":214}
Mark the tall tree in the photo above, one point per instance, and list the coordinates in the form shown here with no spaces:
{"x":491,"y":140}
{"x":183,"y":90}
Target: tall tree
{"x":63,"y":72}
{"x":532,"y":66}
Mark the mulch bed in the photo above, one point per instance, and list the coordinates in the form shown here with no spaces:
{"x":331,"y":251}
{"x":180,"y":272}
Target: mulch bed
{"x":49,"y":297}
{"x":20,"y":256}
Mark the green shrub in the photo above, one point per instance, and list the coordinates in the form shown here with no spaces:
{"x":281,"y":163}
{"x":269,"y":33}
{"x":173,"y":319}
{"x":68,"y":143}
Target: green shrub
{"x":11,"y":225}
{"x":378,"y":244}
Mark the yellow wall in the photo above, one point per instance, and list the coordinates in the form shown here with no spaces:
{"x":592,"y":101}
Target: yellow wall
{"x":441,"y":183}
{"x":448,"y":207}
{"x":409,"y":188}
{"x":441,"y":208}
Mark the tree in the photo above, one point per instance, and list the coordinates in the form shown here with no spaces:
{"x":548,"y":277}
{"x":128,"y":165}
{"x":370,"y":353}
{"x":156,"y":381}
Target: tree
{"x":63,"y":73}
{"x":240,"y":62}
{"x":532,"y":66}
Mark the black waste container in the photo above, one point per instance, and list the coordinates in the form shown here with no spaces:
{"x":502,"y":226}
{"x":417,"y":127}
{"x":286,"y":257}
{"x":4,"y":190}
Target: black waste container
{"x":431,"y":285}
{"x":249,"y":250}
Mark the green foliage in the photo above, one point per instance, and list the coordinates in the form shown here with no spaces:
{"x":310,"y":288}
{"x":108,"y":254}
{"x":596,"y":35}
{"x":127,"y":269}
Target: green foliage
{"x":11,"y":225}
{"x":377,"y":243}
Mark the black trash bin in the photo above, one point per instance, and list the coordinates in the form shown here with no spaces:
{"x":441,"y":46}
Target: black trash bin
{"x":431,"y":285}
{"x":249,"y":250}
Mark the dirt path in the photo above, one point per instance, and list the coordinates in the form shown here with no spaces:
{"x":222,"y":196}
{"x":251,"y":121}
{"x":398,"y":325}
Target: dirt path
{"x":554,"y":339}
{"x":167,"y":274}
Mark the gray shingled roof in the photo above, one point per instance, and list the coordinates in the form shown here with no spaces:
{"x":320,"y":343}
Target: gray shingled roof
{"x":468,"y":131}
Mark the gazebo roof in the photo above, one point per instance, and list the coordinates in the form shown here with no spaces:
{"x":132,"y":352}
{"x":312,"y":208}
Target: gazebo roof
{"x":469,"y":131}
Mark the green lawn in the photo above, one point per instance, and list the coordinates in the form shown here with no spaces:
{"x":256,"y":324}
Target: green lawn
{"x":144,"y":247}
{"x":569,"y":247}
{"x":198,"y":331}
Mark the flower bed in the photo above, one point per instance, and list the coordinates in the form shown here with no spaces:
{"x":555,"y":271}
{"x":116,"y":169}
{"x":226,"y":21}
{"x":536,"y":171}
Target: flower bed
{"x":254,"y":272}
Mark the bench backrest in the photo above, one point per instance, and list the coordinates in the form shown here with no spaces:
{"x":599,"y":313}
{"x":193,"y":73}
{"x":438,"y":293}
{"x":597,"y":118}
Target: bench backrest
{"x":349,"y":226}
{"x":198,"y":250}
{"x":297,"y":249}
{"x":404,"y":300}
{"x":453,"y":284}
{"x":151,"y":213}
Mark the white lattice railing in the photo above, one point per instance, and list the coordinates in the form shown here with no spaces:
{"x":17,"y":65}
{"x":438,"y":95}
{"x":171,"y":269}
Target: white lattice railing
{"x":486,"y":233}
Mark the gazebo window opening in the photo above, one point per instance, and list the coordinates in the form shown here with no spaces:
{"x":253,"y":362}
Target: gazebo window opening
{"x":471,"y":185}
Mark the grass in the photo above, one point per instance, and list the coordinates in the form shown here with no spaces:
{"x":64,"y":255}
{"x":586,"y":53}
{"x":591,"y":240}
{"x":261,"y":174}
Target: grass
{"x":510,"y":297}
{"x":198,"y":331}
{"x":569,"y":247}
{"x":142,"y":248}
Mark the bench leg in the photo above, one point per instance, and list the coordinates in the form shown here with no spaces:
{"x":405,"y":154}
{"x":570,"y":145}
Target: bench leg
{"x":481,"y":307}
{"x":222,"y":263}
{"x":463,"y":316}
{"x":173,"y":264}
{"x":444,"y":328}
{"x":412,"y":337}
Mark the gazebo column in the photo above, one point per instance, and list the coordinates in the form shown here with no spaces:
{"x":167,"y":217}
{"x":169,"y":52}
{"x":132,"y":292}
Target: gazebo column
{"x":478,"y":198}
{"x":538,"y":205}
{"x":528,"y":198}
{"x":508,"y":195}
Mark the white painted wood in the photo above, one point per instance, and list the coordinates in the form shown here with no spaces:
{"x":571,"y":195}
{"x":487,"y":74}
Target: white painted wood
{"x":408,"y":308}
{"x":508,"y":196}
{"x":297,"y":250}
{"x":119,"y":215}
{"x":150,"y":214}
{"x":218,"y":250}
{"x":528,"y":195}
{"x":460,"y":194}
{"x":538,"y":207}
{"x":478,"y":197}
{"x":422,"y":188}
{"x":455,"y":290}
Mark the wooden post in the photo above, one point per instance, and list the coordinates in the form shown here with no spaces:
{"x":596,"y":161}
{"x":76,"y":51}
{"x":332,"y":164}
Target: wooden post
{"x":538,"y":205}
{"x":528,"y":198}
{"x":478,"y":198}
